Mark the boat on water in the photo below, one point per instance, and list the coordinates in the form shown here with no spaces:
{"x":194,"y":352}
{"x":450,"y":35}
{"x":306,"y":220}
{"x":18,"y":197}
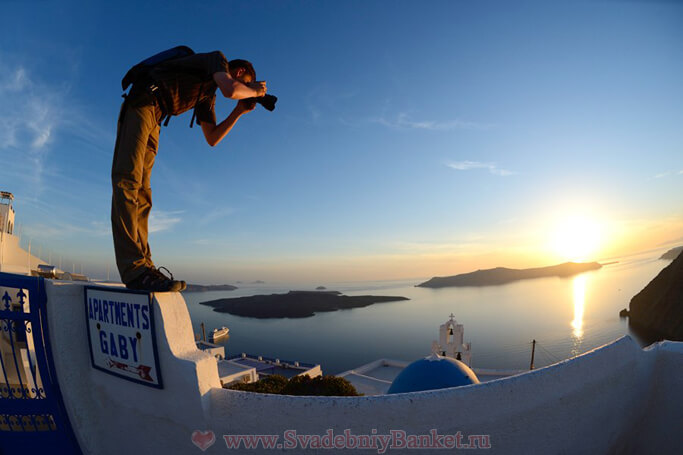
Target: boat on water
{"x":217,"y":334}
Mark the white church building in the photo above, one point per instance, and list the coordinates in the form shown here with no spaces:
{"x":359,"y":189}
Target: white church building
{"x":451,"y":342}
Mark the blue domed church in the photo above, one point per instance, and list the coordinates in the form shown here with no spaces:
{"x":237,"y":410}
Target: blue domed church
{"x":433,"y":372}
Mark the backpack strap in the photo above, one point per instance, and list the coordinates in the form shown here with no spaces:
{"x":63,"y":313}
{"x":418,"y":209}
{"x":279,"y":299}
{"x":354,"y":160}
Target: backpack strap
{"x":194,"y":109}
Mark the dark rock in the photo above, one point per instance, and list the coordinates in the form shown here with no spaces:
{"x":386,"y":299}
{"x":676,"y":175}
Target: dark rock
{"x":623,"y":313}
{"x":658,"y":308}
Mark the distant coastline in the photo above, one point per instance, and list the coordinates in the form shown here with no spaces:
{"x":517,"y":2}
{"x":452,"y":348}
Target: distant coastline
{"x":672,"y":254}
{"x":294,"y":304}
{"x":502,"y":275}
{"x":210,"y":287}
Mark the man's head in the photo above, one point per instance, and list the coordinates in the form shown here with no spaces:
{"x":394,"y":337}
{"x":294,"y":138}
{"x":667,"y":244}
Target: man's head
{"x":242,"y":70}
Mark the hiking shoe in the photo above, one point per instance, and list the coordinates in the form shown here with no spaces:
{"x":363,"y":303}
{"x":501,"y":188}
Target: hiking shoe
{"x":152,"y":280}
{"x":158,"y":271}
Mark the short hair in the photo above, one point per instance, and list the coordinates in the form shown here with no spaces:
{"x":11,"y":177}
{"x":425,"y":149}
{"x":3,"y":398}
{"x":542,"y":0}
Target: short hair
{"x":238,"y":63}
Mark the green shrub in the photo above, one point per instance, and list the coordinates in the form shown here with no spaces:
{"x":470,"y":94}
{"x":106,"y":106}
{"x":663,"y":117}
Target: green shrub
{"x":269,"y":384}
{"x":301,"y":385}
{"x":320,"y":386}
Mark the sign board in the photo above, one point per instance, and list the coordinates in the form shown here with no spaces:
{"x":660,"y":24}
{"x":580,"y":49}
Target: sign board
{"x":121,"y":334}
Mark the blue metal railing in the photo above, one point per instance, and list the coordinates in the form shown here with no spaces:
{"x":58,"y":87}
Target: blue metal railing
{"x":33,"y":418}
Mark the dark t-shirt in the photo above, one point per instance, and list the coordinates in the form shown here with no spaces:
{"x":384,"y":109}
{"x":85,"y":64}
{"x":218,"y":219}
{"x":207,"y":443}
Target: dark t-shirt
{"x":188,"y":83}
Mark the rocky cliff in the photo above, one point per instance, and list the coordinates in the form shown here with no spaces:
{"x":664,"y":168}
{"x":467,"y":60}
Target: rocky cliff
{"x":658,"y":308}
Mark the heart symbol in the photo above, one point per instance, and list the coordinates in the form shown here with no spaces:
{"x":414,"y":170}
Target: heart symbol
{"x":203,"y":439}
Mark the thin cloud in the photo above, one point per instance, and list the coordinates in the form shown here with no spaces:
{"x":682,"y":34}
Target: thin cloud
{"x":403,"y":121}
{"x":163,"y":221}
{"x":668,"y":173}
{"x":100,"y":228}
{"x":13,"y":80}
{"x":323,"y":100}
{"x":216,"y":214}
{"x":30,"y":110}
{"x":470,"y":165}
{"x":212,"y":242}
{"x":35,"y":112}
{"x":61,"y":230}
{"x":27,"y":121}
{"x":417,"y":247}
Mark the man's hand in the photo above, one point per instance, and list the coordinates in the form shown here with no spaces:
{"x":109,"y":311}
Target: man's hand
{"x":244,"y":106}
{"x":236,"y":90}
{"x":259,"y":87}
{"x":215,"y":133}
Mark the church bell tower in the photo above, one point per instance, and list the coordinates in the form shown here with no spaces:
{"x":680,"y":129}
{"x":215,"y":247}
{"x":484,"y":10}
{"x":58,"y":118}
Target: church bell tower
{"x":451,"y":342}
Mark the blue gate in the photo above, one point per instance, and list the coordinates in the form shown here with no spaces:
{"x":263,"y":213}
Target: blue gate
{"x":33,"y":418}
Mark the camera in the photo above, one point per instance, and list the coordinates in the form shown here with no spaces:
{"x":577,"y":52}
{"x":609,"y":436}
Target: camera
{"x":267,"y":101}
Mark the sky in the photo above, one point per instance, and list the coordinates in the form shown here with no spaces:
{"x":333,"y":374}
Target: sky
{"x":410,"y":139}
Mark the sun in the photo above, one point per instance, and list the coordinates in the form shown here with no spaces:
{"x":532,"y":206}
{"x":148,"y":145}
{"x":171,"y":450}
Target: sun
{"x":576,"y":239}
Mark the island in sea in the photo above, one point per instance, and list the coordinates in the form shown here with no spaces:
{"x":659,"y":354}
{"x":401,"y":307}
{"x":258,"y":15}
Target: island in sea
{"x":502,"y":275}
{"x":294,"y":304}
{"x":210,"y":287}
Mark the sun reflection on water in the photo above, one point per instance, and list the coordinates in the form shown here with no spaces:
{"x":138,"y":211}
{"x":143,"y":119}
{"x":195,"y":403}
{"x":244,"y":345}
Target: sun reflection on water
{"x":579,"y":304}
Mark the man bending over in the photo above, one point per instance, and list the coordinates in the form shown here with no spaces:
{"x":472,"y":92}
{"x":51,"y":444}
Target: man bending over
{"x":168,"y":88}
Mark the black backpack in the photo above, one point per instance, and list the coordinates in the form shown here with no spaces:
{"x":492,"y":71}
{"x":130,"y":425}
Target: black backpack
{"x":142,"y":69}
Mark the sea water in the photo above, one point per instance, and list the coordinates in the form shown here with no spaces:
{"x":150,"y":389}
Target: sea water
{"x":566,"y":316}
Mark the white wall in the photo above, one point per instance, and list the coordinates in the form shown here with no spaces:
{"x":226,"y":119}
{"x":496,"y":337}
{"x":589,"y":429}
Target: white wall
{"x":112,"y":415}
{"x":14,"y":258}
{"x":591,"y":404}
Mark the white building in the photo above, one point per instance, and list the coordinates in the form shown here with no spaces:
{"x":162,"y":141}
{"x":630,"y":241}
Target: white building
{"x":244,"y":368}
{"x":6,"y":212}
{"x":13,"y":258}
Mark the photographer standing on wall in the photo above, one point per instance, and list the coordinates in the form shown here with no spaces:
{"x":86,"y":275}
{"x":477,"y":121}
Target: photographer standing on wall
{"x":164,"y":85}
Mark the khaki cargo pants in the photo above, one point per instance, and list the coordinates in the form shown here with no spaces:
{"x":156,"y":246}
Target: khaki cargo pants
{"x":137,"y":141}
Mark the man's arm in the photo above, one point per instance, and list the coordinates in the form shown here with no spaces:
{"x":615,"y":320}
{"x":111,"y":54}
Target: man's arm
{"x":236,"y":90}
{"x":215,"y":133}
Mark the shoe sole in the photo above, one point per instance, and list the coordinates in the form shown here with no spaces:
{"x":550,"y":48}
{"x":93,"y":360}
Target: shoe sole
{"x":177,"y":287}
